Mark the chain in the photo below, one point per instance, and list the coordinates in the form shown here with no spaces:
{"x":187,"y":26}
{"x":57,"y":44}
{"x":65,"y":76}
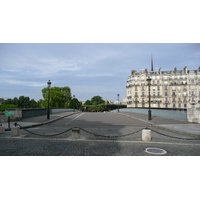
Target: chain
{"x":173,"y":136}
{"x":109,"y":136}
{"x":45,"y":135}
{"x":106,"y":136}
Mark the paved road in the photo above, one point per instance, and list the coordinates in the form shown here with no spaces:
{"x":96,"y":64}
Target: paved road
{"x":94,"y":125}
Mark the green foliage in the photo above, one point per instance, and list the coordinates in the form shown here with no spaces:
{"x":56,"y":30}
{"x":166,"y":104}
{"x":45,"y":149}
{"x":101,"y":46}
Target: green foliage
{"x":74,"y":103}
{"x":7,"y":106}
{"x":88,"y":102}
{"x":60,"y":97}
{"x":103,"y":107}
{"x":96,"y":100}
{"x":21,"y":102}
{"x":97,"y":104}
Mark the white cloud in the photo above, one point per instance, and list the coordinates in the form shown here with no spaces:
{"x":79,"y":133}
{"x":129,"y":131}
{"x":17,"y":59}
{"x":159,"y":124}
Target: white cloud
{"x":93,"y":75}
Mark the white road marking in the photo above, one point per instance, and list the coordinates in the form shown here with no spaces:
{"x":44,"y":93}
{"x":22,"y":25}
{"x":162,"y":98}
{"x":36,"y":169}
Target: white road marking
{"x":75,"y":118}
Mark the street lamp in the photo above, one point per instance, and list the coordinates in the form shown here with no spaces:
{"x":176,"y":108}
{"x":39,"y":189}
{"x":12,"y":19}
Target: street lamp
{"x":48,"y":110}
{"x":118,"y":101}
{"x":74,"y":102}
{"x":149,"y":111}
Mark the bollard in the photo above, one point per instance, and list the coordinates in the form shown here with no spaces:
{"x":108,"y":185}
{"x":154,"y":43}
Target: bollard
{"x":15,"y":131}
{"x":2,"y":129}
{"x":146,"y":135}
{"x":75,"y":133}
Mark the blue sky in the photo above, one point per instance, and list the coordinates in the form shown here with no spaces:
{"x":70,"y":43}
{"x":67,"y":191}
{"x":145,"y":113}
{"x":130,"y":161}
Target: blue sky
{"x":92,"y":46}
{"x":89,"y":69}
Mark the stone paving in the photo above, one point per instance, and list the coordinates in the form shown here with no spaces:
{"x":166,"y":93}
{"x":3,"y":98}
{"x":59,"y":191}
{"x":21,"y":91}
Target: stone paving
{"x":92,"y":145}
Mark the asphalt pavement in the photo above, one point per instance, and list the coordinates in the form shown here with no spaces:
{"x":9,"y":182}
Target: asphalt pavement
{"x":176,"y":137}
{"x":37,"y":121}
{"x":178,"y":126}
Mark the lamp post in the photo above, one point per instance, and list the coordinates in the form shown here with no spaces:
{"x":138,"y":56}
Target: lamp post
{"x":118,"y":101}
{"x":74,"y":102}
{"x":48,"y":110}
{"x":149,"y":111}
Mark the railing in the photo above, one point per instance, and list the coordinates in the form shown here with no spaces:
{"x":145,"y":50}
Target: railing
{"x":178,"y":114}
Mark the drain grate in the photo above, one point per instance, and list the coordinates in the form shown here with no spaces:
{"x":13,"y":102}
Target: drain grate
{"x":155,"y":151}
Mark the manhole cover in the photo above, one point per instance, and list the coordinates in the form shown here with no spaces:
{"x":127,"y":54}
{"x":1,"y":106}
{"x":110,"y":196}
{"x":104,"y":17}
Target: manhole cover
{"x":155,"y":151}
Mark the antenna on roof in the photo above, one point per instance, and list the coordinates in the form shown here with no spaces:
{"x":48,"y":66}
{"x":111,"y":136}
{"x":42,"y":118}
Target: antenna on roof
{"x":151,"y":62}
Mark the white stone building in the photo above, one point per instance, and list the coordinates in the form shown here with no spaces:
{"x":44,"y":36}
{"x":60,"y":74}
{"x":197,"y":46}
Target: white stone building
{"x":168,"y":89}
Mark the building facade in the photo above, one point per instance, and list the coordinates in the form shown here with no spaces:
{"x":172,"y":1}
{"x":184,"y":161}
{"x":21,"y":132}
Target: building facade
{"x":168,"y":89}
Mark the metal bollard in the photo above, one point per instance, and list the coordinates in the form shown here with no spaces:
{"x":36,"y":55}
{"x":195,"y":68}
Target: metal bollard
{"x":15,"y":130}
{"x":146,"y":135}
{"x":75,"y":133}
{"x":2,"y":129}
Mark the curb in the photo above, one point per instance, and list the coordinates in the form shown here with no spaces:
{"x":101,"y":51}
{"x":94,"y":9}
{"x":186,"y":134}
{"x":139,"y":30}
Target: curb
{"x":159,"y":127}
{"x":43,"y":123}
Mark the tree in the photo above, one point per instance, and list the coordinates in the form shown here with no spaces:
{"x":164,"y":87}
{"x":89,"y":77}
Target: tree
{"x":22,"y":102}
{"x":88,"y":102}
{"x":97,"y":100}
{"x":7,"y":106}
{"x":74,"y":103}
{"x":60,"y":97}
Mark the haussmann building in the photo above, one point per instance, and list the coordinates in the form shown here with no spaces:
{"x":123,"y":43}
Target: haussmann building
{"x":168,"y":89}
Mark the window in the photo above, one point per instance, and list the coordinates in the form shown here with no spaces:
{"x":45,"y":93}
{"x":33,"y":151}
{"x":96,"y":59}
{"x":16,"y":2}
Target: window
{"x":135,"y":88}
{"x":166,"y":94}
{"x":193,"y":99}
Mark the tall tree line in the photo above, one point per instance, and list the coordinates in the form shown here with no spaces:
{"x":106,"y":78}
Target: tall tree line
{"x":22,"y":102}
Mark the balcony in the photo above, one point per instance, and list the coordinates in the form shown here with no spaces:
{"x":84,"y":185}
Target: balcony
{"x":166,"y":102}
{"x":156,"y":96}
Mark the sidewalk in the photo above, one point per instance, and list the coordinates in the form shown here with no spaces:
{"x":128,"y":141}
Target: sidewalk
{"x":38,"y":121}
{"x":182,"y":127}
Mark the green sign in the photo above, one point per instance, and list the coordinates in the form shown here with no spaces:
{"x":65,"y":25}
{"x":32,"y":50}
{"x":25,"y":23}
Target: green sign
{"x":8,"y":113}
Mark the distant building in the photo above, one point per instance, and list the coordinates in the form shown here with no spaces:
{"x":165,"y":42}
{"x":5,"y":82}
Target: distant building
{"x":1,"y":100}
{"x":169,"y":89}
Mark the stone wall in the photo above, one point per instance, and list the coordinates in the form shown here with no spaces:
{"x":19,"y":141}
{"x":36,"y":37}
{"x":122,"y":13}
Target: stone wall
{"x":16,"y":115}
{"x":3,"y":117}
{"x":193,"y":114}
